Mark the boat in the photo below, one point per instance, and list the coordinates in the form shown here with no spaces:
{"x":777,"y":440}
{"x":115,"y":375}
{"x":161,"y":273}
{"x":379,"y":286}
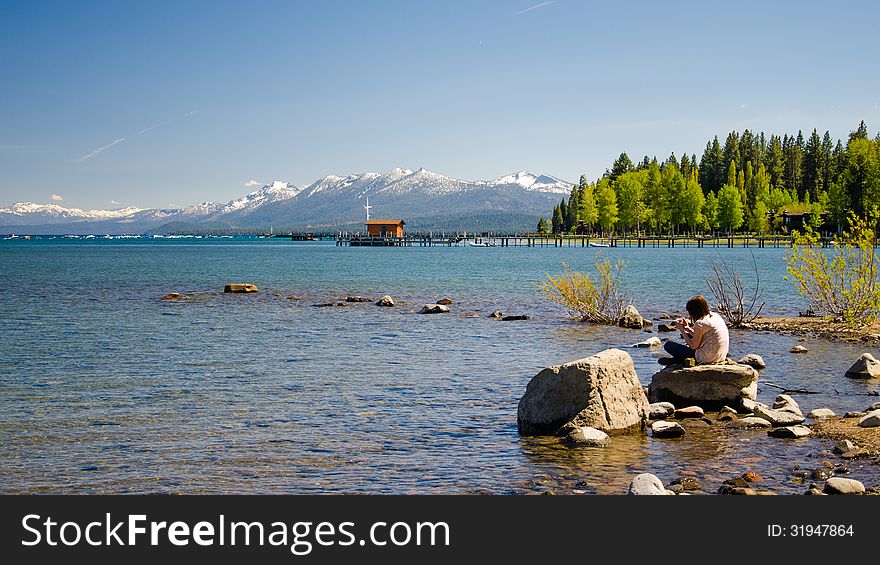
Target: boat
{"x":594,"y":244}
{"x":481,"y":244}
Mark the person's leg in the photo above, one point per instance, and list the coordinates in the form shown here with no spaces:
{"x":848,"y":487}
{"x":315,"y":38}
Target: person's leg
{"x":678,"y":350}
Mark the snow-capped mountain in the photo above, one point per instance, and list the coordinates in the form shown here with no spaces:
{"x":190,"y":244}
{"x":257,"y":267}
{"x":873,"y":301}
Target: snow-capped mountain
{"x":332,"y":201}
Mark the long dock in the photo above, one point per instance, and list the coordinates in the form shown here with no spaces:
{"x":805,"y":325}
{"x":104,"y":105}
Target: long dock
{"x":760,"y":242}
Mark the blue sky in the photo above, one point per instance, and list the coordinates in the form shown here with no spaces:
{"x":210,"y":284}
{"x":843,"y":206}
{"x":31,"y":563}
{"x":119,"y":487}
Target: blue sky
{"x":163,"y":104}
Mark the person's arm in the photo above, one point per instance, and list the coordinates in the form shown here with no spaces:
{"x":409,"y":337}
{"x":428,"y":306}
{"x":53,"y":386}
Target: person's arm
{"x":696,"y":338}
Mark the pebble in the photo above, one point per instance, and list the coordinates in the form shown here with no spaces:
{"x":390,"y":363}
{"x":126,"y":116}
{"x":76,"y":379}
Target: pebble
{"x":660,"y":410}
{"x":843,"y":446}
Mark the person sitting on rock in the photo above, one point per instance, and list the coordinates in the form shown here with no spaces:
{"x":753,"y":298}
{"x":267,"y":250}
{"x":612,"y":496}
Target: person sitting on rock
{"x":705,"y":336}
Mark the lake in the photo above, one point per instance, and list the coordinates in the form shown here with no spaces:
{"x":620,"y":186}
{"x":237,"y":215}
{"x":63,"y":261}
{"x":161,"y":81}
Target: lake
{"x":106,"y":388}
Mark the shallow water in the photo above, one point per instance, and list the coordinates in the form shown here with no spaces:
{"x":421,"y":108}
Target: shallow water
{"x":104,"y":388}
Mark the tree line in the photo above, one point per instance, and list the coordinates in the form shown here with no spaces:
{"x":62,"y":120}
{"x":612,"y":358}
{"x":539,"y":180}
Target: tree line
{"x":746,"y":184}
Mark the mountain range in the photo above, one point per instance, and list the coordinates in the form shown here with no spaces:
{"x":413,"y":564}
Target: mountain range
{"x":424,"y":199}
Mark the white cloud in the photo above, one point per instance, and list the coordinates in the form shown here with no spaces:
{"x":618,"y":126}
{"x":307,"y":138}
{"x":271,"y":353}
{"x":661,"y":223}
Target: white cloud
{"x":535,"y":7}
{"x":57,"y":197}
{"x":252,"y":183}
{"x":115,"y":202}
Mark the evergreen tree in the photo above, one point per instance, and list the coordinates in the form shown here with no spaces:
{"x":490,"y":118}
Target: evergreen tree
{"x":571,"y":216}
{"x":775,"y":162}
{"x":860,"y":133}
{"x":731,"y":149}
{"x":829,"y":164}
{"x":542,"y":226}
{"x":793,"y":148}
{"x":812,"y":165}
{"x":557,"y":219}
{"x":621,"y":165}
{"x":606,"y":201}
{"x":711,"y":166}
{"x":653,"y":196}
{"x":730,"y":213}
{"x":563,"y":212}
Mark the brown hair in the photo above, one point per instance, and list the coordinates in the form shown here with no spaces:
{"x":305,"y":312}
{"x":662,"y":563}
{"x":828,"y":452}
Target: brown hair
{"x":697,"y":307}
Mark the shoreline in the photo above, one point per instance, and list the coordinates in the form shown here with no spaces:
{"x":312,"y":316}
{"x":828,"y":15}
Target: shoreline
{"x":816,"y":326}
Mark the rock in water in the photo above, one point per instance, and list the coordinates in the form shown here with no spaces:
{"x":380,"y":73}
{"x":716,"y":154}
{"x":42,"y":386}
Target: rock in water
{"x":838,"y":485}
{"x":865,"y":367}
{"x":663,"y":429}
{"x":785,"y":403}
{"x":750,"y":422}
{"x":631,"y":318}
{"x":650,"y":342}
{"x":660,"y":410}
{"x":601,"y":391}
{"x":664,"y":327}
{"x":434,"y":309}
{"x":820,"y":413}
{"x":798,"y":349}
{"x":872,"y":420}
{"x":496,"y":314}
{"x":357,"y":299}
{"x":844,"y":446}
{"x":515,"y":318}
{"x":790,"y":432}
{"x":707,"y":386}
{"x":385,"y":301}
{"x":244,"y":287}
{"x":689,"y":412}
{"x":754,"y":361}
{"x":172,"y":296}
{"x":587,"y":437}
{"x":445,"y":302}
{"x":646,"y":484}
{"x":778,"y":417}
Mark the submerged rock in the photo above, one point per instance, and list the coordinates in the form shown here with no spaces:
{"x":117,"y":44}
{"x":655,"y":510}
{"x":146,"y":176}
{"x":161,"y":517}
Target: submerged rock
{"x":754,"y":361}
{"x":434,"y":309}
{"x":172,"y":296}
{"x":865,"y":367}
{"x":240,"y":288}
{"x":790,"y":432}
{"x":707,"y":386}
{"x":646,"y":484}
{"x":445,"y":302}
{"x":631,"y":319}
{"x":601,"y":391}
{"x":799,"y":349}
{"x":855,"y":414}
{"x":515,"y":318}
{"x":666,"y":327}
{"x":357,"y":299}
{"x":750,"y":422}
{"x":587,"y":437}
{"x":843,"y":446}
{"x":385,"y":301}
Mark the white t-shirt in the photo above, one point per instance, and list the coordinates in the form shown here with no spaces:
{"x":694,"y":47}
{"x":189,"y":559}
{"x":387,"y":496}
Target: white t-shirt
{"x":711,"y":340}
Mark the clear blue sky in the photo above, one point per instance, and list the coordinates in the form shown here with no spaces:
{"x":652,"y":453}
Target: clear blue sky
{"x":191,"y":100}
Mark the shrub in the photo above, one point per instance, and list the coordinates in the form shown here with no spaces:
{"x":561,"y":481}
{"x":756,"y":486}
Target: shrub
{"x":840,"y":282}
{"x":600,"y":300}
{"x":732,"y":296}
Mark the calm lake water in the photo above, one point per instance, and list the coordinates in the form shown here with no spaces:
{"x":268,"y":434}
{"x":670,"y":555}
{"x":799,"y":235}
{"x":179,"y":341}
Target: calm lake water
{"x":105,"y":388}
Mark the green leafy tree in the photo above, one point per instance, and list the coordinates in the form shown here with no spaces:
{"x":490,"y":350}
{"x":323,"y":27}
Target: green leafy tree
{"x":674,"y":188}
{"x":710,"y":211}
{"x":759,"y":222}
{"x":861,"y":175}
{"x":730,"y":213}
{"x":654,"y":196}
{"x":629,"y":188}
{"x":606,"y":201}
{"x":589,"y":212}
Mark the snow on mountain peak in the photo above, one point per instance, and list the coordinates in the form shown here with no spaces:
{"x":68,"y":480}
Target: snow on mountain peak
{"x":530,"y":181}
{"x":54,"y":210}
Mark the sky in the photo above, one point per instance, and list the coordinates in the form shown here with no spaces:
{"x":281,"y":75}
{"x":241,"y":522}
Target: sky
{"x":168,"y":104}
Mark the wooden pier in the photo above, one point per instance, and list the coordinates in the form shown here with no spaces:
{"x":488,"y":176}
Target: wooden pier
{"x":759,"y":242}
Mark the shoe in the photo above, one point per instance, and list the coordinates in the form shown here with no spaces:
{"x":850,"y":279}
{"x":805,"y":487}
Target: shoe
{"x":668,"y":360}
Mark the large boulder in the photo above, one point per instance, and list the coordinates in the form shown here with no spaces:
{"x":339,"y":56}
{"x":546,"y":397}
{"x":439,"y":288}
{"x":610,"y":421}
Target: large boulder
{"x":865,"y":367}
{"x":708,"y":386}
{"x":631,"y":318}
{"x":601,"y":391}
